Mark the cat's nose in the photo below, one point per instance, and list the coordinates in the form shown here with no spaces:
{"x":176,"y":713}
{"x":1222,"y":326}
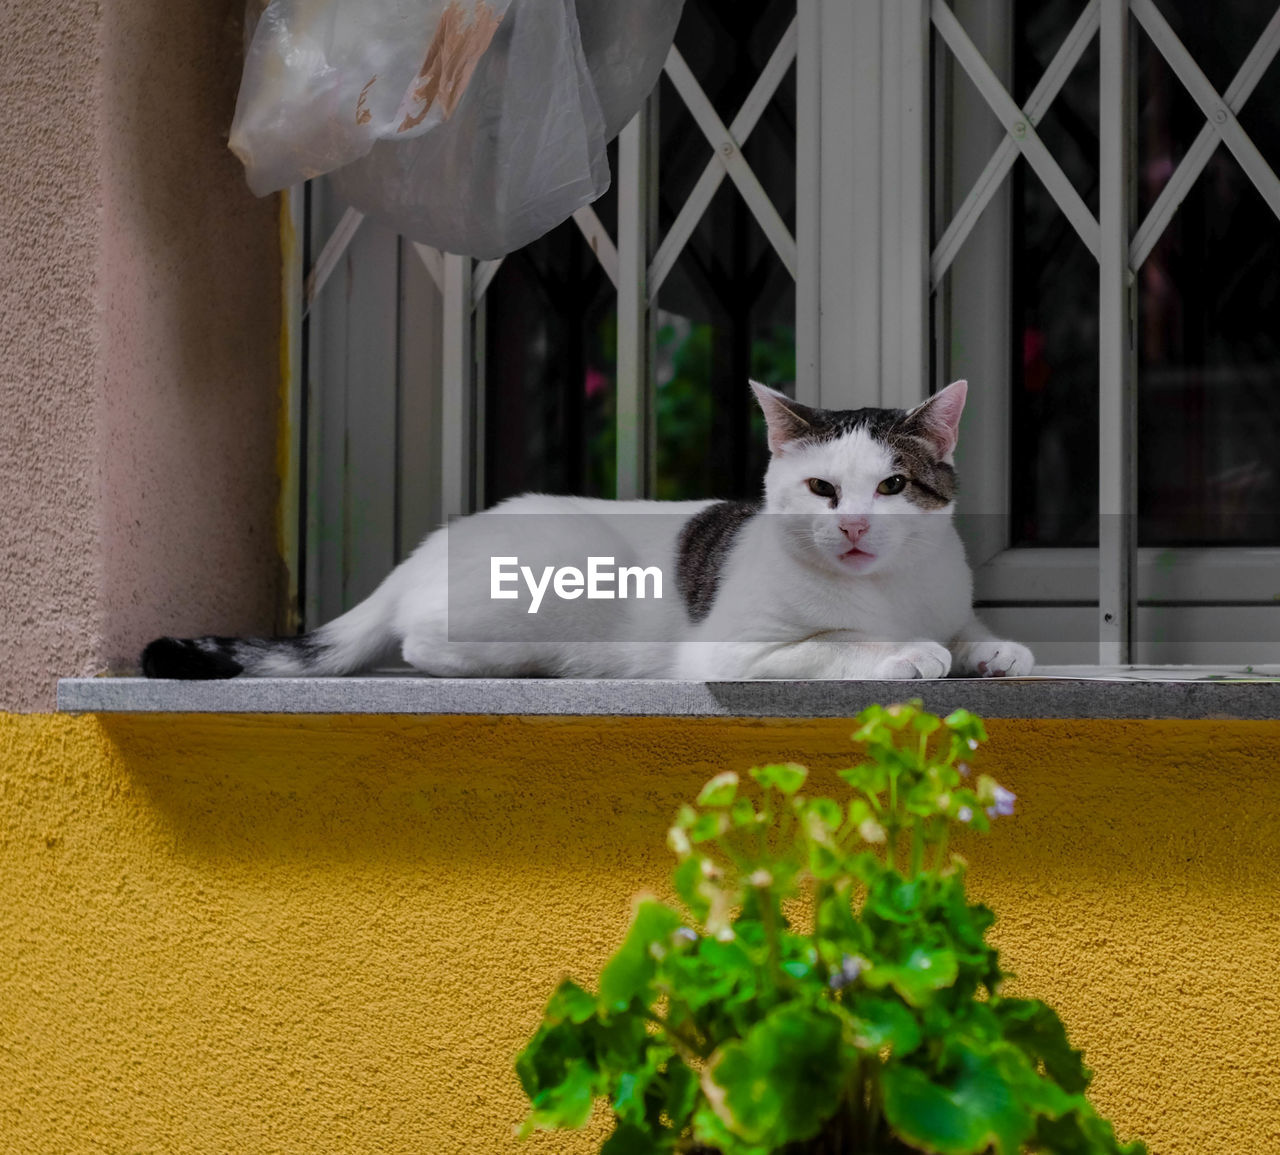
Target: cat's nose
{"x":854,"y":527}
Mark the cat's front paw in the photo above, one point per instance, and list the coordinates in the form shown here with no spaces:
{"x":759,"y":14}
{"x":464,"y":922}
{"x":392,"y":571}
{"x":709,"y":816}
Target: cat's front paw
{"x":923,"y":659}
{"x":995,"y":659}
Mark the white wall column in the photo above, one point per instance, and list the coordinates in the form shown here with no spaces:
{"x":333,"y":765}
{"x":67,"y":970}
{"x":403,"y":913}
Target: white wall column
{"x":636,"y":205}
{"x":866,"y":260}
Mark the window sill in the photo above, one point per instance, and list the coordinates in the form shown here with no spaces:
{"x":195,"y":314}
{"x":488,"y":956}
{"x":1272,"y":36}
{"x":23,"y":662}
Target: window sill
{"x":1056,"y":692}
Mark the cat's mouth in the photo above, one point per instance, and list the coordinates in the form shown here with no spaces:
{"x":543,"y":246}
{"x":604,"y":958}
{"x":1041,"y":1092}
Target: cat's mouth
{"x":856,"y":558}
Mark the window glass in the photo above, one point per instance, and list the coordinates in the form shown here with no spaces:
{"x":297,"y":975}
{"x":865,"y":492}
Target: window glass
{"x":1208,"y":334}
{"x":550,"y":348}
{"x":726,"y":312}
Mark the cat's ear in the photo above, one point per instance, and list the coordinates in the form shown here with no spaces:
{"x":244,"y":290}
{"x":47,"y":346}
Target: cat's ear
{"x":786,"y":420}
{"x":938,"y":419}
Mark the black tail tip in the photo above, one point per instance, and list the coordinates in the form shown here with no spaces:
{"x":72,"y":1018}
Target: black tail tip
{"x":190,"y":659}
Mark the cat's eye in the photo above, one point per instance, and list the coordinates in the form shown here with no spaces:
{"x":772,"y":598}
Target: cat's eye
{"x":891,"y":485}
{"x":820,"y":488}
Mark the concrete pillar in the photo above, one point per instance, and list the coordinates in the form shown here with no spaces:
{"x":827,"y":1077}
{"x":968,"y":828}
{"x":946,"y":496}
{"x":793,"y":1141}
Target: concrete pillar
{"x":139,"y":341}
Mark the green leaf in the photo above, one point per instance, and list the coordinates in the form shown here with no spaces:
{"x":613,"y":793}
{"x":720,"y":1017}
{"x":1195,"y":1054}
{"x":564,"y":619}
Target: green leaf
{"x":918,"y":976}
{"x":784,"y":1079}
{"x":826,"y":813}
{"x":709,"y":1130}
{"x":742,"y":813}
{"x":627,"y":975}
{"x":720,"y":975}
{"x":896,"y":899}
{"x":859,"y":812}
{"x":786,"y":777}
{"x":824,"y":862}
{"x":638,"y":1086}
{"x":622,"y":1042}
{"x":720,"y":791}
{"x":837,"y":923}
{"x":708,"y":826}
{"x":869,"y":722}
{"x":986,"y":1095}
{"x":869,"y":777}
{"x":968,"y":1111}
{"x":965,"y":725}
{"x":901,"y":714}
{"x":556,"y":1050}
{"x":1037,"y":1093}
{"x":566,"y":1103}
{"x":570,"y":1003}
{"x":1036,"y":1028}
{"x":925,"y":723}
{"x":682,"y":1094}
{"x":884,"y":1022}
{"x":691,"y":886}
{"x":797,"y":968}
{"x":1082,"y":1132}
{"x":628,"y":1139}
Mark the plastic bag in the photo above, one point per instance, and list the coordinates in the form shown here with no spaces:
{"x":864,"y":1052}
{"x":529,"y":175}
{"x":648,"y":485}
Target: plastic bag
{"x":472,"y":125}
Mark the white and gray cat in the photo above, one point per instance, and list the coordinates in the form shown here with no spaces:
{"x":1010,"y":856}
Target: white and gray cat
{"x":850,"y":567}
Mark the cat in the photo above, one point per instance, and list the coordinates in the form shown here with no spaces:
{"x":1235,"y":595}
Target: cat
{"x":850,"y":567}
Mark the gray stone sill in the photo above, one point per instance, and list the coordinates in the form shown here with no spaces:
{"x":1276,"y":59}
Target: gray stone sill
{"x":1055,"y":692}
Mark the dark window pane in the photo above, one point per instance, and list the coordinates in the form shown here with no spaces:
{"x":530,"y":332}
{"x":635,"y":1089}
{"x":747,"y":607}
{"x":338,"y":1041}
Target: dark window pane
{"x":551,"y":355}
{"x":727,"y":310}
{"x":1054,"y":468}
{"x":1208,"y":305}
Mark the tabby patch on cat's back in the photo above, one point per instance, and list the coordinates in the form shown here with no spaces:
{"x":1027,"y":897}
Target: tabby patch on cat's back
{"x":848,"y":566}
{"x":702,"y":547}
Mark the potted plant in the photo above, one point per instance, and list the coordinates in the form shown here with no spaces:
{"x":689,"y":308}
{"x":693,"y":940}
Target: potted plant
{"x":828,"y":987}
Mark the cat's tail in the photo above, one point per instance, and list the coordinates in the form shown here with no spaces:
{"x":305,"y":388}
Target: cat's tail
{"x":352,"y":642}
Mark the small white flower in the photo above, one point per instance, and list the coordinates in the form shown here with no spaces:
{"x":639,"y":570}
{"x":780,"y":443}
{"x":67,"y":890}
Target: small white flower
{"x":973,"y":743}
{"x":724,"y":934}
{"x":963,"y":768}
{"x":1002,"y":803}
{"x":684,"y":934}
{"x":965,"y":814}
{"x":760,"y":878}
{"x":870,"y":830}
{"x":851,"y":966}
{"x":678,"y":841}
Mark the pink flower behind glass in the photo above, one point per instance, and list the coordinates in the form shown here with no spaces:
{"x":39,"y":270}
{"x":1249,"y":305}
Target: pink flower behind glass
{"x":596,"y":382}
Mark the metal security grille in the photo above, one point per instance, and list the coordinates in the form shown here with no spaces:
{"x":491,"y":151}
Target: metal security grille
{"x":1119,"y":248}
{"x":349,"y":535}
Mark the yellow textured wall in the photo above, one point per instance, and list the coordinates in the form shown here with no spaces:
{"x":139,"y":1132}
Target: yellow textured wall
{"x":332,"y":934}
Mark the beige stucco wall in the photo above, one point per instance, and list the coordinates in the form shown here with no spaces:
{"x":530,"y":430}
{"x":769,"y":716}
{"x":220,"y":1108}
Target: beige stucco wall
{"x":139,"y":336}
{"x":50,"y":341}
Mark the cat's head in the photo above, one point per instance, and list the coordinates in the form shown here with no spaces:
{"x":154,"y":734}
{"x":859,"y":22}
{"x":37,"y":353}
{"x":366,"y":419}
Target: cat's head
{"x":860,"y":487}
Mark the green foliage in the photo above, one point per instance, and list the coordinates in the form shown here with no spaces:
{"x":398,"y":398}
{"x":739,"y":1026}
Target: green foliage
{"x":873,"y":1022}
{"x":687,"y":353}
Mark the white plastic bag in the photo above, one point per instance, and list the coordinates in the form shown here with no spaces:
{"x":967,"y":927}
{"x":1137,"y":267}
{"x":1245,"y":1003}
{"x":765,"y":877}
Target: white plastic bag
{"x":471,"y":125}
